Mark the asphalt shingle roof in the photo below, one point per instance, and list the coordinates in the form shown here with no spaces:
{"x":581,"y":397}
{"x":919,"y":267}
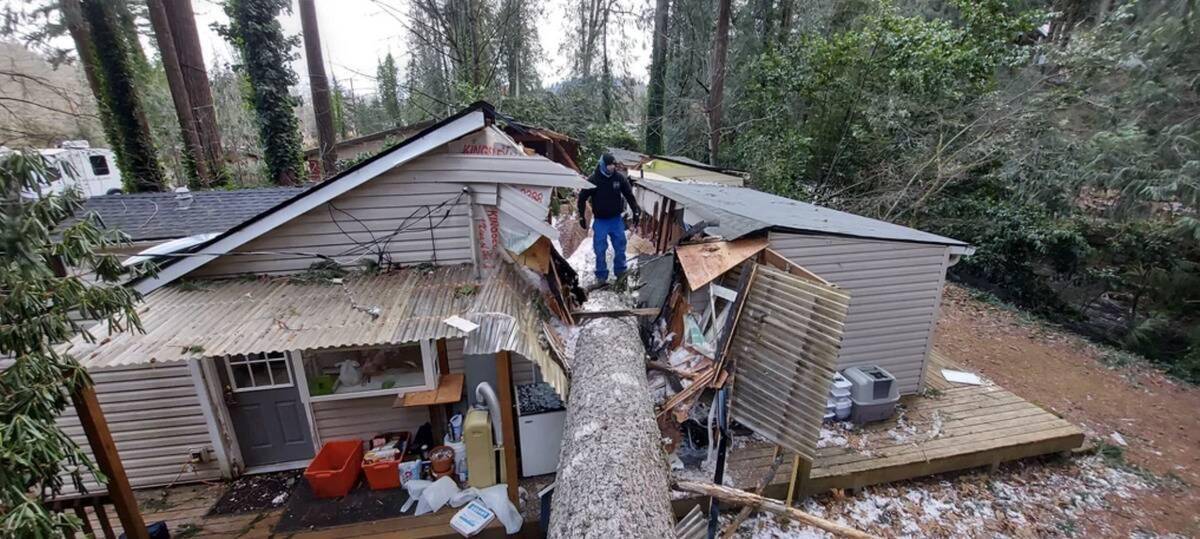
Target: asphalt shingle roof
{"x":742,"y":210}
{"x":161,"y":216}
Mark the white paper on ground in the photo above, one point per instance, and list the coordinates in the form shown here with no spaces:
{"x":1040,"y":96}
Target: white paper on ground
{"x":960,"y":377}
{"x":461,"y":324}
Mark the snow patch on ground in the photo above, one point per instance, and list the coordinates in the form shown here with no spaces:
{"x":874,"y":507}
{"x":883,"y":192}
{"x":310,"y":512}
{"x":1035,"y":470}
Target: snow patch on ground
{"x":1025,"y":500}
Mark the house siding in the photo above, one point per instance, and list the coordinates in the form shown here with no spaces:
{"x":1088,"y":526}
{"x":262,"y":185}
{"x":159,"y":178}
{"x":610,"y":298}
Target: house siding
{"x":371,"y":211}
{"x":155,"y":417}
{"x":362,"y":418}
{"x":894,"y":288}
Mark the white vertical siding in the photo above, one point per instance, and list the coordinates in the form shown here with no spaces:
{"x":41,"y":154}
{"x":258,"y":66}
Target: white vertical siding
{"x":155,"y":417}
{"x":894,"y":292}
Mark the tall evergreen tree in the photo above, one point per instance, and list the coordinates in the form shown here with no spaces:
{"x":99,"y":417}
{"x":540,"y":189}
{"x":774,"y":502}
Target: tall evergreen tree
{"x":113,"y":57}
{"x":266,"y":55}
{"x":657,"y":91}
{"x":389,"y":88}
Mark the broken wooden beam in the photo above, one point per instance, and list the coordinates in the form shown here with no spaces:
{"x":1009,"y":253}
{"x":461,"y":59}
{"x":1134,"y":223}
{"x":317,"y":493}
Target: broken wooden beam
{"x":743,"y":498}
{"x":615,"y":313}
{"x":776,"y":461}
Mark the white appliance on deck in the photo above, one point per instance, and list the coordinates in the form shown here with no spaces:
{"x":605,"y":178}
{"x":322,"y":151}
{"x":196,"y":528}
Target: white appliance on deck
{"x":541,"y":438}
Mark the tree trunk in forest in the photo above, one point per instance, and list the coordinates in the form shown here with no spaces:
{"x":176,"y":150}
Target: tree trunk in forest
{"x":612,"y":474}
{"x":182,"y":22}
{"x":73,"y":18}
{"x":179,"y":94}
{"x":655,"y":99}
{"x":785,"y":22}
{"x":319,"y":84}
{"x":110,"y":50}
{"x":716,"y":91}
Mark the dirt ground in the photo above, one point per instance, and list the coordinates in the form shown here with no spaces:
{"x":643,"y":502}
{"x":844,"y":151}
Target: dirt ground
{"x":1156,"y":417}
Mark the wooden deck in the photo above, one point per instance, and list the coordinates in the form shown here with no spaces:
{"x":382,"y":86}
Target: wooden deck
{"x":953,"y":427}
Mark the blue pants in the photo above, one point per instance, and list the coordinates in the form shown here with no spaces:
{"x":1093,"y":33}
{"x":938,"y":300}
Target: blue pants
{"x":603,"y":231}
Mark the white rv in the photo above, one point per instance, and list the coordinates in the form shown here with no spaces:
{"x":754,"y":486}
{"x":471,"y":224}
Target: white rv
{"x":75,"y":164}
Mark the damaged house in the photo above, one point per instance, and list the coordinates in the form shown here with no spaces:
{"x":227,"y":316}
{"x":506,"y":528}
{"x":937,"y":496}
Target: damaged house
{"x":423,"y":270}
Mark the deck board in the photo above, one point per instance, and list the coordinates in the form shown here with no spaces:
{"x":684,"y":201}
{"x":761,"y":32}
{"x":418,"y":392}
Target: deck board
{"x":954,"y":427}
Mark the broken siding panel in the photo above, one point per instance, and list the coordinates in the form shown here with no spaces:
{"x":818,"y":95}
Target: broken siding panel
{"x":785,"y":349}
{"x":365,"y":417}
{"x":894,"y":288}
{"x":155,"y":417}
{"x":372,"y":211}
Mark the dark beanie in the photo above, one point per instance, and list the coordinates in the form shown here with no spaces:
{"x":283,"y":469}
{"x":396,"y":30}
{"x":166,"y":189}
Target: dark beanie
{"x":607,"y":159}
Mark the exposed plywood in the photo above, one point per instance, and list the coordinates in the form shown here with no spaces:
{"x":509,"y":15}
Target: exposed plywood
{"x":449,"y":390}
{"x":704,"y":262}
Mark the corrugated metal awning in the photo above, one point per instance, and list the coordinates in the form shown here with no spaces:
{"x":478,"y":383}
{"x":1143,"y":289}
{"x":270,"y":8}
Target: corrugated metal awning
{"x":243,"y":316}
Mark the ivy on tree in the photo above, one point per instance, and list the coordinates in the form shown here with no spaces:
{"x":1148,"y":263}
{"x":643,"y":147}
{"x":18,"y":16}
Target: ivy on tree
{"x":39,"y":309}
{"x":117,"y":70}
{"x":266,"y":58}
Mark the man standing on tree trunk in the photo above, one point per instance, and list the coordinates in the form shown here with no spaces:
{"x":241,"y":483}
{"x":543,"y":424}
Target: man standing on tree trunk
{"x":610,"y":189}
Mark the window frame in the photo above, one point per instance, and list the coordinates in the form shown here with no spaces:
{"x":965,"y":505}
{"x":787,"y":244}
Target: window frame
{"x":267,"y":358}
{"x":429,"y":368}
{"x":103,"y":159}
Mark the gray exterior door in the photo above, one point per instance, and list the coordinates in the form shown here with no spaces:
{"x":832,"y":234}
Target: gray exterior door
{"x":264,"y":405}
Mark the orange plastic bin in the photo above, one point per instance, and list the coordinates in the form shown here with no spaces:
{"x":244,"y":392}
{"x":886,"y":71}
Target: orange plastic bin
{"x":333,"y":472}
{"x":382,"y":475}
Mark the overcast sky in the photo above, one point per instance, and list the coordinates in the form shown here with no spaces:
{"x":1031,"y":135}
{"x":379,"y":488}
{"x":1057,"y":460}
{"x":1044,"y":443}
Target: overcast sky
{"x":357,"y":33}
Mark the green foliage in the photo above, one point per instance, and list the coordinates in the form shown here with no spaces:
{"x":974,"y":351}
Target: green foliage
{"x":40,"y":310}
{"x":599,"y":138}
{"x":118,"y":72}
{"x":266,"y":55}
{"x":389,"y":88}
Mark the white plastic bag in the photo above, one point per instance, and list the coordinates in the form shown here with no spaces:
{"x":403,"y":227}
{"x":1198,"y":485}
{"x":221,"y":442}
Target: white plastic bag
{"x":414,"y":487}
{"x":349,"y":373}
{"x":496,"y":498}
{"x":464,"y":497}
{"x":435,"y":496}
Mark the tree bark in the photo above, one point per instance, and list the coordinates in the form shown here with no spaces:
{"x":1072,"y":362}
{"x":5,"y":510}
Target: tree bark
{"x":320,"y":88}
{"x":182,"y":22}
{"x":716,"y":91}
{"x":657,"y":92}
{"x":612,"y":474}
{"x":179,"y":94}
{"x":741,"y":497}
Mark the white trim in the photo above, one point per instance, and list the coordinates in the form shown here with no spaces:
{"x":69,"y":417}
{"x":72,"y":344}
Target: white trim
{"x":428,"y":369}
{"x":456,"y":129}
{"x":300,"y":376}
{"x":210,"y":419}
{"x":279,"y":467}
{"x":541,"y":227}
{"x":216,"y":394}
{"x":266,"y":359}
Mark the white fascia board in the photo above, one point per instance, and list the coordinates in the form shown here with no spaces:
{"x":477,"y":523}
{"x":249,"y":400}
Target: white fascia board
{"x":962,"y":250}
{"x":456,"y":129}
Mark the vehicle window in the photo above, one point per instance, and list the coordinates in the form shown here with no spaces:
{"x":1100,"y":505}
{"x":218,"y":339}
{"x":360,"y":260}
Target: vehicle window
{"x":99,"y":165}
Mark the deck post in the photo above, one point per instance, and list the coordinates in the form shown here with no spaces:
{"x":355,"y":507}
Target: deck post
{"x":438,"y":415}
{"x":801,"y":469}
{"x":104,"y":451}
{"x":507,"y":422}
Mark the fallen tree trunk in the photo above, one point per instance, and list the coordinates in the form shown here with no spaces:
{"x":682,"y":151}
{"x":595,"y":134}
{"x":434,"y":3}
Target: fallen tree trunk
{"x":741,"y":497}
{"x":612,"y":474}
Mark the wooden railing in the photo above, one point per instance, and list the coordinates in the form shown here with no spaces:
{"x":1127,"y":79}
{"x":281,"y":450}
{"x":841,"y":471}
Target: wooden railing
{"x":79,"y":506}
